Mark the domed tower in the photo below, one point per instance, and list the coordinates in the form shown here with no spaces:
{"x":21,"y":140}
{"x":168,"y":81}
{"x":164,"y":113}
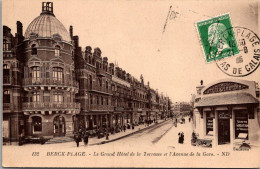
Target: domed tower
{"x":49,"y":80}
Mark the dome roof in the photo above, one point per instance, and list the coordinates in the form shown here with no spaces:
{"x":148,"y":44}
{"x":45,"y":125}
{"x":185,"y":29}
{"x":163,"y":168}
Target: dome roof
{"x":47,"y":25}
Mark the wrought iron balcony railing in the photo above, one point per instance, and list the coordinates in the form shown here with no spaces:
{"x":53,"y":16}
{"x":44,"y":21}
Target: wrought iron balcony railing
{"x":38,"y":106}
{"x":49,"y":81}
{"x":101,"y":107}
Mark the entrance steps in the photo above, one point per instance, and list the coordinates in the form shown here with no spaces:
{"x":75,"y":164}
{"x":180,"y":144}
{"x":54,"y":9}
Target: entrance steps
{"x":64,"y":139}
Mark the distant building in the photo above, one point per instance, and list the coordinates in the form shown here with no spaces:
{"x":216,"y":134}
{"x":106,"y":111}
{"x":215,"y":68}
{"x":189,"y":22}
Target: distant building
{"x":182,"y":107}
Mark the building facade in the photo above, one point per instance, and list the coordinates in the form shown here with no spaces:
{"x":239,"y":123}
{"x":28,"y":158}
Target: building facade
{"x":227,"y":112}
{"x":52,"y":87}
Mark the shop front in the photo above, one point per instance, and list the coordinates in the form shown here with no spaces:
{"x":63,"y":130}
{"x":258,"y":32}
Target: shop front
{"x":229,"y":113}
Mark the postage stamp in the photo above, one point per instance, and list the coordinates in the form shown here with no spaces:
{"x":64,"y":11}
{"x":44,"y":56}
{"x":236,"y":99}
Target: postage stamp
{"x":248,"y":59}
{"x":216,"y":41}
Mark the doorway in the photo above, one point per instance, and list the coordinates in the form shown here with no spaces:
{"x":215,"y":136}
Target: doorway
{"x":223,"y":131}
{"x":59,"y":126}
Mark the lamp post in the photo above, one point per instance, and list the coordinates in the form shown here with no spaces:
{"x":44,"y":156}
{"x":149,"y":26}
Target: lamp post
{"x":107,"y":128}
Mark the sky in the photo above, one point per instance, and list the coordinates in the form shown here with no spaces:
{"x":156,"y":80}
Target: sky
{"x":131,"y":33}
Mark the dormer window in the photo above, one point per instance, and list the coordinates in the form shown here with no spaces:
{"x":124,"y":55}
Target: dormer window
{"x":34,"y":49}
{"x":57,"y":51}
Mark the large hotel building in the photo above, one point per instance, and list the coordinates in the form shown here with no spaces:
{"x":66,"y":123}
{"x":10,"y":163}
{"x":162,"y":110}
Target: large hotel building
{"x":52,"y":87}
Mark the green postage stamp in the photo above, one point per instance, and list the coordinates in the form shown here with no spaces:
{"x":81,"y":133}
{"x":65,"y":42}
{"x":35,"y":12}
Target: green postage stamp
{"x":217,"y":38}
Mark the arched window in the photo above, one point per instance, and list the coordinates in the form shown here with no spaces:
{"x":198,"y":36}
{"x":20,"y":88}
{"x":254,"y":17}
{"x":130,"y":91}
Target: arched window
{"x":34,"y":49}
{"x":57,"y":50}
{"x":36,"y":124}
{"x":6,"y":98}
{"x":5,"y":45}
{"x":58,"y":97}
{"x":57,"y":74}
{"x":36,"y":72}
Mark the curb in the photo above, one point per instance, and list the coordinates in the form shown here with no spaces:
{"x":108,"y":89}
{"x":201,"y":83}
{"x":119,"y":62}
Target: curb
{"x":108,"y":141}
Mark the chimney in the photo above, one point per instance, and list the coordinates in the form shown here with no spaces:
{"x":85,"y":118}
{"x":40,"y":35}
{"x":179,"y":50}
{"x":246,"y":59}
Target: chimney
{"x":76,"y":41}
{"x":71,"y":32}
{"x":19,"y":26}
{"x":47,"y":8}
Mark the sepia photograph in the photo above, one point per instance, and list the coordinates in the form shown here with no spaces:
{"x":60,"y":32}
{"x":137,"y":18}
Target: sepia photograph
{"x":130,"y":83}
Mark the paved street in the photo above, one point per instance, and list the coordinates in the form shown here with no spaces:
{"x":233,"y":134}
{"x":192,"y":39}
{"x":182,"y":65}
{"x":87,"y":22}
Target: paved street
{"x":151,"y":142}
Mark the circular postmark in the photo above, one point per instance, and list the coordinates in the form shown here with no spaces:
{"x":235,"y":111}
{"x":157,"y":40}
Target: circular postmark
{"x":248,"y":58}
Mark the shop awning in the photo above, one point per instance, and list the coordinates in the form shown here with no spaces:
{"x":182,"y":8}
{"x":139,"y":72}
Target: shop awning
{"x":227,"y":99}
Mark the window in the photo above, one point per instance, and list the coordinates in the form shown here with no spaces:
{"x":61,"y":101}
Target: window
{"x":5,"y":45}
{"x":6,"y":73}
{"x":57,"y":73}
{"x":36,"y":72}
{"x":257,"y":94}
{"x":36,"y":96}
{"x":102,"y":101}
{"x":209,"y":123}
{"x":6,"y":98}
{"x":37,"y":124}
{"x":100,"y":82}
{"x":90,"y":82}
{"x":107,"y":85}
{"x":34,"y":49}
{"x":58,"y":97}
{"x":57,"y":51}
{"x":97,"y":100}
{"x":91,"y":99}
{"x":107,"y":101}
{"x":241,"y":124}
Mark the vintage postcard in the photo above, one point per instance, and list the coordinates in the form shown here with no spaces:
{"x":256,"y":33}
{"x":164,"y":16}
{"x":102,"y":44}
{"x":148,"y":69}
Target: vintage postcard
{"x":140,"y":83}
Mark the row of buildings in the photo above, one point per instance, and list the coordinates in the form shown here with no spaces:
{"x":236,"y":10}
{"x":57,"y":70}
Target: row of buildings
{"x":228,"y":112}
{"x":53,"y":87}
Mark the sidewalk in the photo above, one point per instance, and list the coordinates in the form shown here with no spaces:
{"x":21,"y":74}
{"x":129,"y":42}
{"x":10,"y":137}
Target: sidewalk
{"x":122,"y":134}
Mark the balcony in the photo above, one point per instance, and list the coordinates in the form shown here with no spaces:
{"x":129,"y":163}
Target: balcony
{"x":49,"y":82}
{"x":101,"y":107}
{"x":101,"y":89}
{"x":101,"y":72}
{"x":8,"y":107}
{"x":39,"y":106}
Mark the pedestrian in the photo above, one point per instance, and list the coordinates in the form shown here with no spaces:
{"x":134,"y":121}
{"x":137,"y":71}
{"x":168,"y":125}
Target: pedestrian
{"x":189,"y":119}
{"x":86,"y":139}
{"x":182,"y":135}
{"x":179,"y":140}
{"x":77,"y":139}
{"x":124,"y":128}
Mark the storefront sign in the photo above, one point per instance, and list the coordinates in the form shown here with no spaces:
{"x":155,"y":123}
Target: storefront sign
{"x":224,"y":114}
{"x":225,"y":87}
{"x":241,"y":125}
{"x":209,"y":123}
